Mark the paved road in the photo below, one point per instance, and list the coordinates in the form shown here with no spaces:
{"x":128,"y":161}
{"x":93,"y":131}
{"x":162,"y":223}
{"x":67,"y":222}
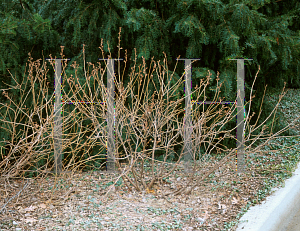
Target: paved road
{"x":293,"y":224}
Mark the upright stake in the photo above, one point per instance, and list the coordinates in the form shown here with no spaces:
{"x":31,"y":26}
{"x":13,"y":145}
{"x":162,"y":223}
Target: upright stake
{"x":240,"y":136}
{"x":110,"y":161}
{"x":188,"y":152}
{"x":57,"y":131}
{"x":57,"y":119}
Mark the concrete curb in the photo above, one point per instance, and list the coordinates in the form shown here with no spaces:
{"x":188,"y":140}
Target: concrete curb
{"x":278,"y":209}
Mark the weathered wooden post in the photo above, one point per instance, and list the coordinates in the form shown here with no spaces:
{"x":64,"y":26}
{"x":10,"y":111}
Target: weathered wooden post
{"x":240,"y":136}
{"x":188,"y":151}
{"x":57,"y":132}
{"x":110,"y":160}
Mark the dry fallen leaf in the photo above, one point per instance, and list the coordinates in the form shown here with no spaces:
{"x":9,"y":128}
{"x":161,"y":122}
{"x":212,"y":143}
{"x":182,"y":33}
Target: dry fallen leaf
{"x":234,"y":201}
{"x":28,"y":220}
{"x":30,"y":208}
{"x":149,"y":191}
{"x":43,"y":206}
{"x":56,"y":215}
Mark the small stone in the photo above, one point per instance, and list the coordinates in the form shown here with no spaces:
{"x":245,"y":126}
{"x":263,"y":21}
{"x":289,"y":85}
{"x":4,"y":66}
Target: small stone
{"x":200,"y":219}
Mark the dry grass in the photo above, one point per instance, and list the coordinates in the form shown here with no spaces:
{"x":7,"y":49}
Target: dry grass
{"x":145,"y":194}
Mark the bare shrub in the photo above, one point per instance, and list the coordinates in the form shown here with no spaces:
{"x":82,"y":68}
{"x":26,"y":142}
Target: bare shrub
{"x":158,"y":111}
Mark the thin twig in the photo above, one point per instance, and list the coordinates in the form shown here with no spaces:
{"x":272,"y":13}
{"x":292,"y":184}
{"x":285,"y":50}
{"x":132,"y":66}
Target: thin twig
{"x":14,"y":197}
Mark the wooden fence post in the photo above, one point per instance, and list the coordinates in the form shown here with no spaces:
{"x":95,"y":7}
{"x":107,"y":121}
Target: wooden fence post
{"x":240,"y":136}
{"x":110,"y":161}
{"x":188,"y":151}
{"x":57,"y":131}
